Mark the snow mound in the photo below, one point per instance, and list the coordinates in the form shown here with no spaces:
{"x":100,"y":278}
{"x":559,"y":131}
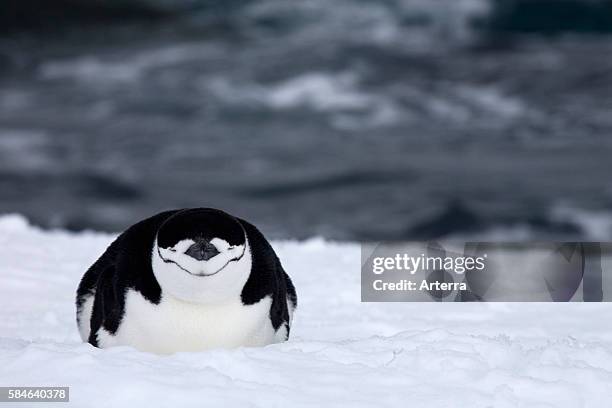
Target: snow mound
{"x":341,"y":352}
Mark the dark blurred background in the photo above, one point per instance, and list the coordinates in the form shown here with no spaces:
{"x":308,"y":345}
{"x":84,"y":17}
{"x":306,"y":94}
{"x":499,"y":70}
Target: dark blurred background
{"x":348,"y":119}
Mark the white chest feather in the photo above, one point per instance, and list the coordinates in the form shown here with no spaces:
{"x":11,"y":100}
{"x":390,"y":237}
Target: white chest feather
{"x":174,"y":325}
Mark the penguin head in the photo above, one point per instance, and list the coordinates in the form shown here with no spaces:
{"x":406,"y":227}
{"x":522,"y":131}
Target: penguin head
{"x":201,"y":255}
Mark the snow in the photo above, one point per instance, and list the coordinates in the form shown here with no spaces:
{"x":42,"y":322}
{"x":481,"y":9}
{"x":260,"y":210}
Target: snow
{"x":341,"y":351}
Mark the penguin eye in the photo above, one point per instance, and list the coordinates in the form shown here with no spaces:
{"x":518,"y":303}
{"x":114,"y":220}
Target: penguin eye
{"x":172,"y":250}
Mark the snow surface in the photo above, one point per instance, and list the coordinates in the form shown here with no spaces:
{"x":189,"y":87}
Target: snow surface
{"x":341,"y":351}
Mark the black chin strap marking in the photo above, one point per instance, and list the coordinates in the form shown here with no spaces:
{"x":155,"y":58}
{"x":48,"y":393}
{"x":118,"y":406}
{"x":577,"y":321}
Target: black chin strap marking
{"x":210,"y":274}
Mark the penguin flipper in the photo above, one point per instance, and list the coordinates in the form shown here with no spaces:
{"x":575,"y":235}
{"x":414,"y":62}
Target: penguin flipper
{"x":88,"y":287}
{"x":268,"y":278}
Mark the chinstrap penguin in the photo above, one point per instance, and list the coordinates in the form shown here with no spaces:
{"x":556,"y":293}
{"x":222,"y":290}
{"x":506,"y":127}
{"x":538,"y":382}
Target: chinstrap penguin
{"x":186,"y":280}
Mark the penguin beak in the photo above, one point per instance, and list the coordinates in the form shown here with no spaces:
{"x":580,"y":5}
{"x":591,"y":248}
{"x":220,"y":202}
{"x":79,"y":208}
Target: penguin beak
{"x":202,"y":251}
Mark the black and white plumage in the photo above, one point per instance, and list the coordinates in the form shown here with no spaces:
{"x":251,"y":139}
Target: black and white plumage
{"x":186,"y":280}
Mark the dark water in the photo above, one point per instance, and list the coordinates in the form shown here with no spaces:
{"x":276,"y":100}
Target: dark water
{"x":350,"y":120}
